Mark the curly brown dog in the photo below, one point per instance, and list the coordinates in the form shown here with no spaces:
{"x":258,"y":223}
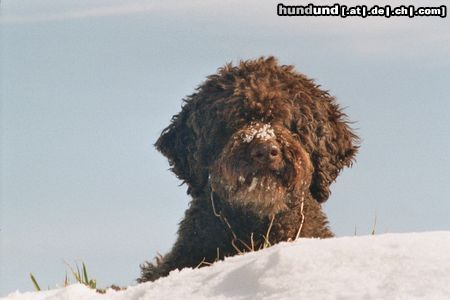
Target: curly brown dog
{"x":258,"y":145}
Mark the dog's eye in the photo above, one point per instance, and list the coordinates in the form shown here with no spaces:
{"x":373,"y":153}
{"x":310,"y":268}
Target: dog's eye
{"x":293,"y":126}
{"x":295,"y":132}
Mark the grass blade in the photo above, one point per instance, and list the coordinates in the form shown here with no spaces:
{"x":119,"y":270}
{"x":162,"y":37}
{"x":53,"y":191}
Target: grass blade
{"x":86,"y":279}
{"x":36,"y":285}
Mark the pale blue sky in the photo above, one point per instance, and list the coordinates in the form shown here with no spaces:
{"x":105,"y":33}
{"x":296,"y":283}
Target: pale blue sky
{"x":87,"y":86}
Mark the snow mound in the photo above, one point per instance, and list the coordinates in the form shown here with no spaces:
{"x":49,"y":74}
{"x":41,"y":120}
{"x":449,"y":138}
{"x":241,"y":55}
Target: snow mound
{"x":388,"y":266}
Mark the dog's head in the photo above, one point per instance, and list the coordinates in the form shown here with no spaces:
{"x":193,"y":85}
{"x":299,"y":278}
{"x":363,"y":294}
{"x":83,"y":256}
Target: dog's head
{"x":260,"y":134}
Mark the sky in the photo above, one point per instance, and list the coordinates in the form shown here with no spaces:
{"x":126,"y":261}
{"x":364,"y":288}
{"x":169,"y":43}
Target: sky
{"x":87,"y":86}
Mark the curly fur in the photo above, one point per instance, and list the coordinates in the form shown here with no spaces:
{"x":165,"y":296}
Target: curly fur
{"x":258,"y":145}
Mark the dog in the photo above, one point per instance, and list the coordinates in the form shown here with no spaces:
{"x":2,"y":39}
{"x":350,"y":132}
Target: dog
{"x":258,"y":145}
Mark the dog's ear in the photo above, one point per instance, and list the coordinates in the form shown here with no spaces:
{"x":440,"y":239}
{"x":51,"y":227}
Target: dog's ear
{"x":178,"y":143}
{"x":329,"y":139}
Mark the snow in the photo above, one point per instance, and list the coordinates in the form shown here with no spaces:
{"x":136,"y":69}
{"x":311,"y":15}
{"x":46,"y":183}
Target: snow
{"x":263,"y":133}
{"x":253,"y":184}
{"x":387,"y":266}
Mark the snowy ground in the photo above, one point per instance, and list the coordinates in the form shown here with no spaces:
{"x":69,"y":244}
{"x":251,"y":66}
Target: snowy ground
{"x":388,"y":266}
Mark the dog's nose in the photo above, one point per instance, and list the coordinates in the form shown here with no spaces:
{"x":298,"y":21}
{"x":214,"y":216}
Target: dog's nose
{"x":265,"y":153}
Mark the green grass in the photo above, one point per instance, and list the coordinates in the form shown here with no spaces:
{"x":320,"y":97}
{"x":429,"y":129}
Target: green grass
{"x":36,"y":285}
{"x":80,"y":275}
